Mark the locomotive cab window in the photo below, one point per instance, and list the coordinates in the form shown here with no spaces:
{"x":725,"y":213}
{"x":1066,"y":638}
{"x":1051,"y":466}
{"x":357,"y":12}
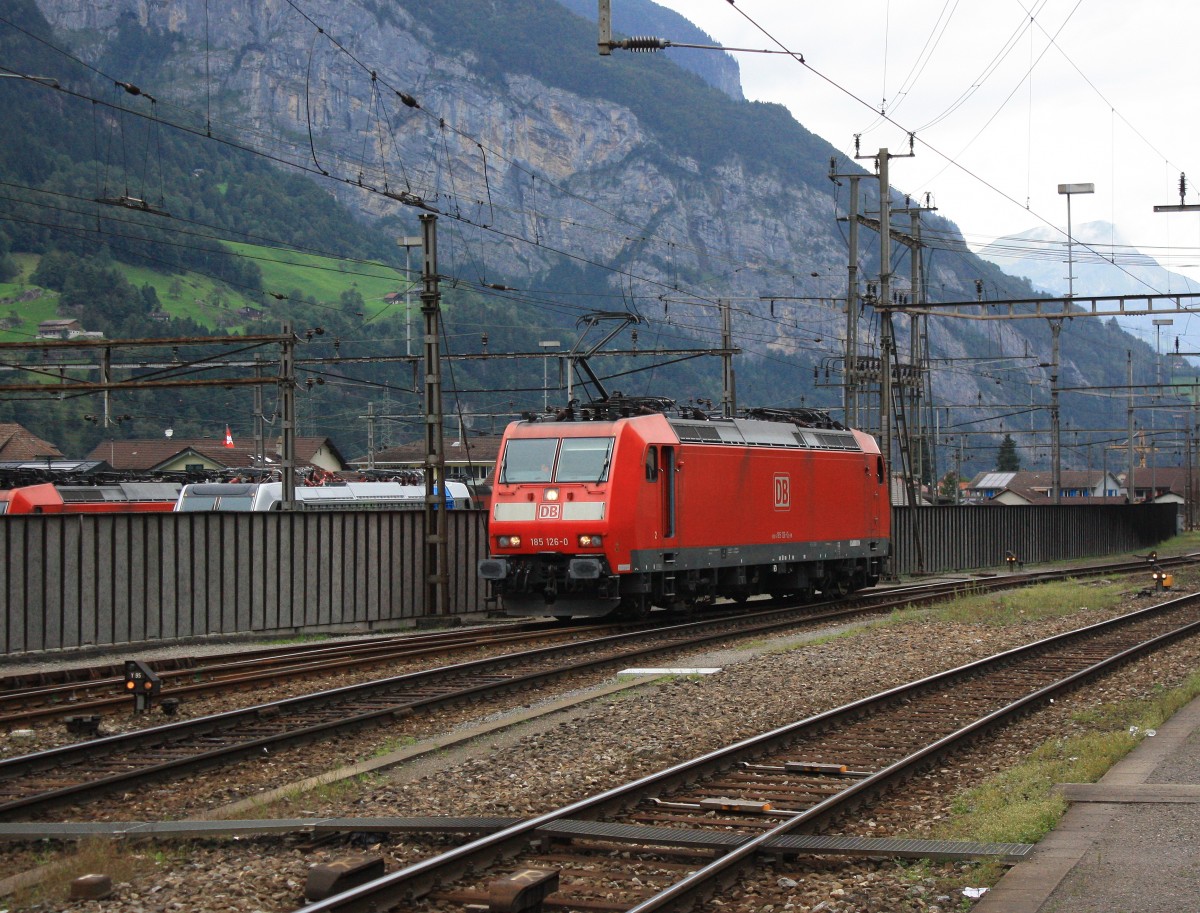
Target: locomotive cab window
{"x":652,"y":463}
{"x":529,"y":460}
{"x":198,"y":503}
{"x":584,"y":459}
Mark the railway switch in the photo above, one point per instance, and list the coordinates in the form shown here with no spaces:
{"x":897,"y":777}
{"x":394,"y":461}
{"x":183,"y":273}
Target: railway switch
{"x":142,"y":682}
{"x":522,"y":892}
{"x":815,"y":767}
{"x":735,"y":805}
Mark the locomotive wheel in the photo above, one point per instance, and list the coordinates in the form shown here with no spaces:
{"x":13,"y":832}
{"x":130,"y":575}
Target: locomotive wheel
{"x":836,"y":588}
{"x":633,"y":608}
{"x":741,"y":594}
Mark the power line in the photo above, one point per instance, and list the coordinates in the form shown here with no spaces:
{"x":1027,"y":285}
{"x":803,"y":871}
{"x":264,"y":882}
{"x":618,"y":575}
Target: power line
{"x":950,"y":160}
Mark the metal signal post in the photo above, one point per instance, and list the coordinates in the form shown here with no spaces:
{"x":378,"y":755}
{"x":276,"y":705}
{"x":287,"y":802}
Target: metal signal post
{"x":435,"y":453}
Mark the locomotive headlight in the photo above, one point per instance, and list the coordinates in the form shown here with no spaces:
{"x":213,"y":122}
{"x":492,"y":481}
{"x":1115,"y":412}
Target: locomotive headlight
{"x":550,"y":494}
{"x":510,"y":541}
{"x":590,"y":541}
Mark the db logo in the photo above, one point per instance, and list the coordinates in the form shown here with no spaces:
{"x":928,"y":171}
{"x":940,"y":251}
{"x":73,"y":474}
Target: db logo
{"x":783,"y":492}
{"x":549,"y":511}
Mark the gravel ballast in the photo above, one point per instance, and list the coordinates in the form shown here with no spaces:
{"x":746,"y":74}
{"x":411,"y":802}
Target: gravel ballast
{"x":572,"y":754}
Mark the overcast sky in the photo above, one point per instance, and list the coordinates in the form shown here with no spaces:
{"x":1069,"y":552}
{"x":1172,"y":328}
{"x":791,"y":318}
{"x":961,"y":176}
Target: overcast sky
{"x":1007,"y":99}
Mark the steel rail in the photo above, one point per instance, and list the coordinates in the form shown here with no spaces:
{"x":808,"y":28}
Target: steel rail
{"x":484,"y":677}
{"x":273,"y":659}
{"x":699,"y":885}
{"x":65,"y":684}
{"x":19,"y":683}
{"x":405,"y":885}
{"x":242,"y":673}
{"x":290,"y":721}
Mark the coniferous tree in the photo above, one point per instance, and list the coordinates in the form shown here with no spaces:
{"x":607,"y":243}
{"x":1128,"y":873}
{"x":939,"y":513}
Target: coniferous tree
{"x":1007,"y":459}
{"x":948,"y":486}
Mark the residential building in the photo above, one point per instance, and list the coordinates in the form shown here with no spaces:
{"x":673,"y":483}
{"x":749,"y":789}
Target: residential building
{"x":1076,"y":486}
{"x":203,"y":455}
{"x":19,"y":443}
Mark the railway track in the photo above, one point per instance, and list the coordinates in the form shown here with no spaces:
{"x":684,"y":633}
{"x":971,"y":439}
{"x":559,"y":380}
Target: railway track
{"x":81,"y":771}
{"x":84,"y":770}
{"x":675,"y":839}
{"x":27,"y":698}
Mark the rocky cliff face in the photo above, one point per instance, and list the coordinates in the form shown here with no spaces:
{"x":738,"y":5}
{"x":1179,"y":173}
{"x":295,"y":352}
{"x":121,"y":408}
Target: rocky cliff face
{"x":532,"y":175}
{"x":525,"y":158}
{"x":641,"y":17}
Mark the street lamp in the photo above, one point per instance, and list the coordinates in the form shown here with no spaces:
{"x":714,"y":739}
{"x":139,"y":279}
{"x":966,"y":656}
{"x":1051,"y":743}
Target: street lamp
{"x":1068,"y":190}
{"x":546,"y":344}
{"x":1159,"y":323}
{"x":408,"y":243}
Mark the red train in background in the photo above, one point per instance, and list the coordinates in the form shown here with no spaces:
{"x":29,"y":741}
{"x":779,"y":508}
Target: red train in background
{"x":117,"y":497}
{"x":620,"y":512}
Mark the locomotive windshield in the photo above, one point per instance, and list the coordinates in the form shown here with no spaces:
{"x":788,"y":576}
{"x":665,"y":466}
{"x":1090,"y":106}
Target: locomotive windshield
{"x":583,"y":459}
{"x":529,"y":460}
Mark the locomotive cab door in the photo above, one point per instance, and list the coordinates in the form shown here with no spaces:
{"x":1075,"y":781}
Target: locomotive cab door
{"x":660,"y":470}
{"x":669,"y":506}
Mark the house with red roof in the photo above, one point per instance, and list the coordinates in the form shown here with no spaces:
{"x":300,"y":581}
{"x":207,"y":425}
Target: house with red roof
{"x":213,"y":454}
{"x":18,"y":443}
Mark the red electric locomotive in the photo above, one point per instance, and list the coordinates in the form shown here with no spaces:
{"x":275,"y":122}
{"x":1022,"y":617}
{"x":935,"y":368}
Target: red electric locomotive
{"x":119,"y":497}
{"x":628,"y":512}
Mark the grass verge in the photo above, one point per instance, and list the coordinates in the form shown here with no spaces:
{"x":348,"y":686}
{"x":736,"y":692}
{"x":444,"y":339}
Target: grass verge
{"x":1034,"y":603}
{"x":118,"y":859}
{"x":1020,"y":804}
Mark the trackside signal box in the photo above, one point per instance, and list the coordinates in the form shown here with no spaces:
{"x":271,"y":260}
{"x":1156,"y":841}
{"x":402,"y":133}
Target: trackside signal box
{"x":142,"y":682}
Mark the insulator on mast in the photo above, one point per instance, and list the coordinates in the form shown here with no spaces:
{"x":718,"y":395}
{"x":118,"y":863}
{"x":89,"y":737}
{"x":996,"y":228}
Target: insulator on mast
{"x":644,"y":43}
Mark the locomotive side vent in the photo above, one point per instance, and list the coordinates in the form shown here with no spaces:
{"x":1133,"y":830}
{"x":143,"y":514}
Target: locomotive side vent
{"x":699,"y":433}
{"x":759,"y":432}
{"x":835,"y":440}
{"x":85,"y":494}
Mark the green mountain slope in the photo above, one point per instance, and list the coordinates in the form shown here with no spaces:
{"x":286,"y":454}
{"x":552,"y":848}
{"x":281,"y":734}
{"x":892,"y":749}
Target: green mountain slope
{"x":207,"y":230}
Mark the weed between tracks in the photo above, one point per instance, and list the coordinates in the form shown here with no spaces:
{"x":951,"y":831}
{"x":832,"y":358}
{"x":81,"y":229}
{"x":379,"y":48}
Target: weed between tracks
{"x":1020,"y":805}
{"x":392,"y":744}
{"x":116,"y":858}
{"x":1034,"y":603}
{"x":298,"y":803}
